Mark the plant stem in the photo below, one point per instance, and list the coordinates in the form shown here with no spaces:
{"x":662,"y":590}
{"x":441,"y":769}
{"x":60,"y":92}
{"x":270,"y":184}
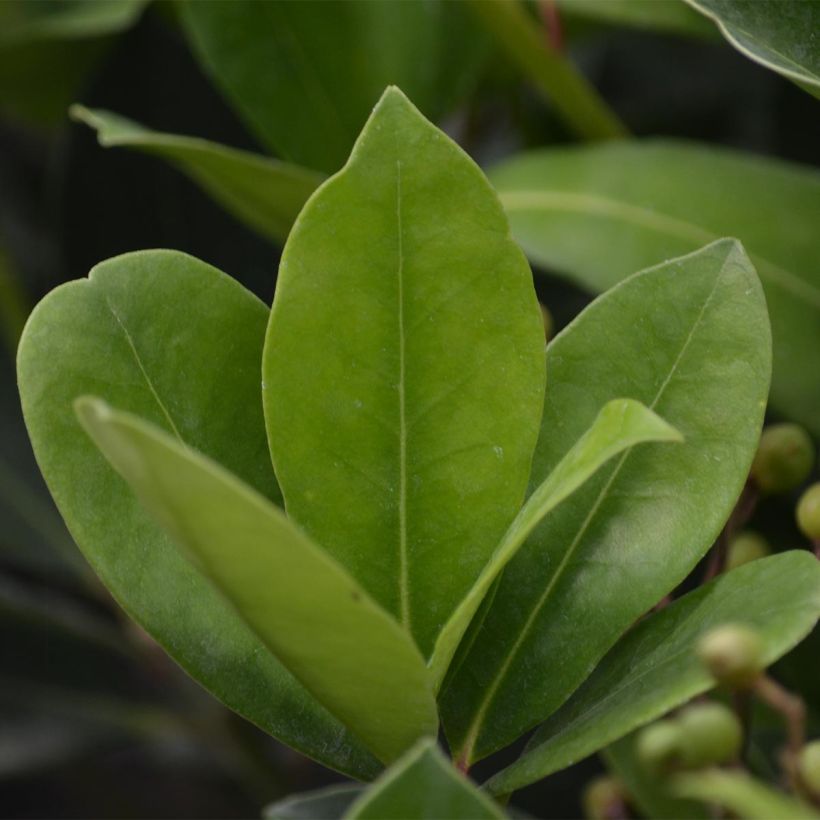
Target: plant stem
{"x":574,"y":98}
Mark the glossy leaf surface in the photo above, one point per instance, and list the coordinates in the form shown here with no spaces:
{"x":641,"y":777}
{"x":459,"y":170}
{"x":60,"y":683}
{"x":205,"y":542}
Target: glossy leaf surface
{"x":305,"y":76}
{"x":742,"y":795}
{"x":423,"y":785}
{"x":621,"y":424}
{"x":654,"y":668}
{"x":690,"y":340}
{"x":404,"y":369}
{"x":599,"y":214}
{"x":264,"y":193}
{"x":328,"y":632}
{"x":121,"y":334}
{"x":778,"y":34}
{"x":329,"y":803}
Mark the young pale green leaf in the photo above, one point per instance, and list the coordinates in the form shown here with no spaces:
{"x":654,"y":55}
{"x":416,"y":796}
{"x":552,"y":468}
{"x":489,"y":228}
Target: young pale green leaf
{"x":778,"y":34}
{"x":305,"y":75}
{"x":264,"y":193}
{"x":321,"y":804}
{"x":179,"y":343}
{"x":352,"y":655}
{"x":599,"y":214}
{"x":689,"y":339}
{"x":654,"y":668}
{"x":621,"y":424}
{"x":742,"y":795}
{"x":404,"y":369}
{"x":423,"y":785}
{"x":648,"y":792}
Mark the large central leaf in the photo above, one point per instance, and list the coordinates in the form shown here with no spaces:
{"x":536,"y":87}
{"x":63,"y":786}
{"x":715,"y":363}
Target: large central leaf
{"x":404,"y":369}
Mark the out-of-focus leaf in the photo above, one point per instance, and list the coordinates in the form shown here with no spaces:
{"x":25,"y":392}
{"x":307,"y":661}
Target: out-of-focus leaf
{"x":323,"y":804}
{"x":654,"y":668}
{"x":355,"y":659}
{"x":403,"y":447}
{"x":176,"y":341}
{"x":423,"y":785}
{"x":654,"y":15}
{"x":599,"y":214}
{"x":306,"y":75}
{"x":742,"y":795}
{"x":264,"y":193}
{"x":698,"y":331}
{"x":621,"y":424}
{"x":646,"y":790}
{"x":779,"y":34}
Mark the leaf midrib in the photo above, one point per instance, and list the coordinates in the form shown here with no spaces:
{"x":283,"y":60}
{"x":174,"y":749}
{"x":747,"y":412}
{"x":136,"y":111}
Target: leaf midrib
{"x":523,"y":199}
{"x":473,"y":732}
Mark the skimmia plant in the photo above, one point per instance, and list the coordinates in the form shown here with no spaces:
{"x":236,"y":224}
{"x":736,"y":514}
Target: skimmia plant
{"x":385,"y":507}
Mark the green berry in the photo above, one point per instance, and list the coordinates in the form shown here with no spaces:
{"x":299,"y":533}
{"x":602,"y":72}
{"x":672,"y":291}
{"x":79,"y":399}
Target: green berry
{"x":658,"y":745}
{"x":808,"y":512}
{"x":784,"y":458}
{"x":808,"y":764}
{"x":710,"y":734}
{"x":733,"y":654}
{"x":602,"y":797}
{"x":744,"y":547}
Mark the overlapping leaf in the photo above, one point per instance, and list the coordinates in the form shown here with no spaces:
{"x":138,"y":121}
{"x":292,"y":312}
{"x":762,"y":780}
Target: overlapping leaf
{"x":689,"y":339}
{"x":404,"y":369}
{"x":599,"y":214}
{"x":179,"y":343}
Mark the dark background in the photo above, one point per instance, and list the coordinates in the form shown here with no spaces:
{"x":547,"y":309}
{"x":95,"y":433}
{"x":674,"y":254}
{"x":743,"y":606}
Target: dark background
{"x":94,"y":720}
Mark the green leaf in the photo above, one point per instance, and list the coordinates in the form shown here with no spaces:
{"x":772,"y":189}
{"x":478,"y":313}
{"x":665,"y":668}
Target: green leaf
{"x":68,"y":19}
{"x":599,"y":214}
{"x":654,"y":668}
{"x":690,"y":340}
{"x":621,"y":424}
{"x":352,"y":655}
{"x":322,"y":804}
{"x":648,"y":792}
{"x":742,"y":795}
{"x":404,"y":369}
{"x":179,"y":343}
{"x":778,"y":34}
{"x":423,"y":785}
{"x":670,"y":15}
{"x":304,"y":76}
{"x":264,"y":193}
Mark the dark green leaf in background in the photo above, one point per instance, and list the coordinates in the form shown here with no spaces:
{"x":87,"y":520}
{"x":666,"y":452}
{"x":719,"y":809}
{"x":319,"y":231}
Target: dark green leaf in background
{"x":690,"y":339}
{"x":176,"y":341}
{"x":404,"y":369}
{"x":652,"y":15}
{"x":599,"y":214}
{"x":654,"y":668}
{"x":305,"y":76}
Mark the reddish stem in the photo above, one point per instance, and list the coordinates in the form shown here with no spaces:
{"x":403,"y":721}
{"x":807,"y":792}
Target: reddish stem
{"x":552,"y":24}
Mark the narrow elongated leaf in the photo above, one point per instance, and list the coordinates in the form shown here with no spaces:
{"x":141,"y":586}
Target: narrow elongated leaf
{"x":742,"y":795}
{"x":671,"y":15}
{"x":648,"y":792}
{"x":778,"y":34}
{"x":689,"y":339}
{"x":124,"y":334}
{"x":322,"y":804}
{"x":599,"y":214}
{"x":423,"y":785}
{"x":621,"y":424}
{"x":404,"y":369}
{"x":348,"y":651}
{"x":654,"y":668}
{"x":264,"y":193}
{"x":305,"y":75}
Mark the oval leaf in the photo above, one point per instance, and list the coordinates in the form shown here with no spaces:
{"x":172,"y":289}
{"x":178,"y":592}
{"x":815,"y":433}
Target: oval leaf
{"x":599,"y":214}
{"x":423,"y":785}
{"x":124,"y":334}
{"x":264,"y":193}
{"x":689,"y":339}
{"x":404,"y":369}
{"x":655,"y":667}
{"x":322,"y":804}
{"x":347,"y":651}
